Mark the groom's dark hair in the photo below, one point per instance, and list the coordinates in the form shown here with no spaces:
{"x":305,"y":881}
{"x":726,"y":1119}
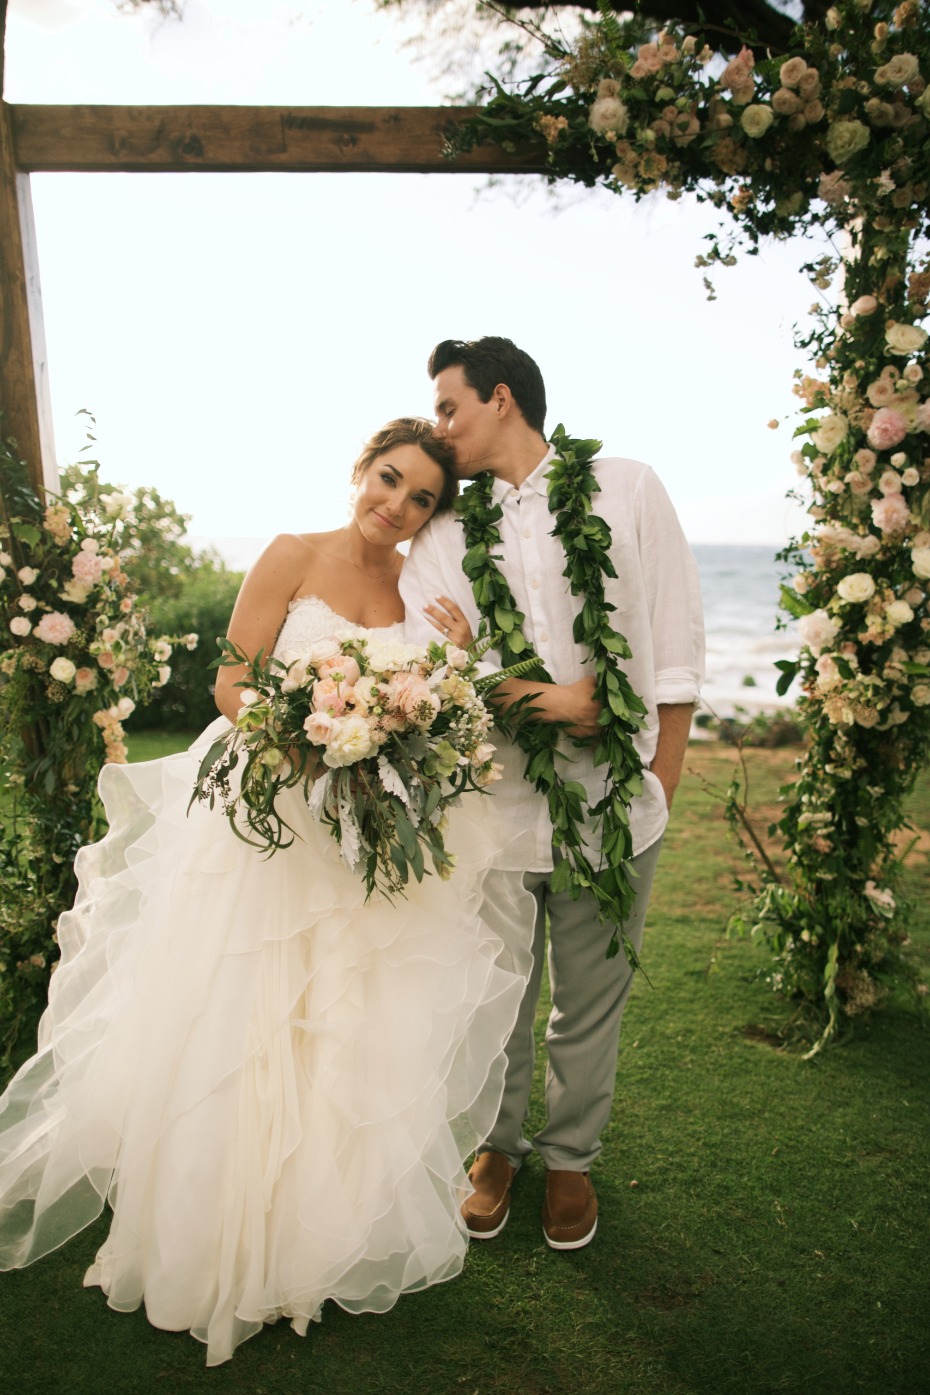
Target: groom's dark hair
{"x":492,"y":360}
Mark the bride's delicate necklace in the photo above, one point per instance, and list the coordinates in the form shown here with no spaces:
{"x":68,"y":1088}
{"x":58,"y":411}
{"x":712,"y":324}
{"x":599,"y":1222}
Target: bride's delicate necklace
{"x":585,"y":540}
{"x":373,"y":576}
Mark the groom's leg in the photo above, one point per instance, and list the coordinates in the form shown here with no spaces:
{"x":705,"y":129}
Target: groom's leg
{"x":507,"y":1134}
{"x":589,"y":994}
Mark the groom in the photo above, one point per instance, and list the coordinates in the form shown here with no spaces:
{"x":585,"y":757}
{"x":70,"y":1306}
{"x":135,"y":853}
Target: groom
{"x":491,"y":405}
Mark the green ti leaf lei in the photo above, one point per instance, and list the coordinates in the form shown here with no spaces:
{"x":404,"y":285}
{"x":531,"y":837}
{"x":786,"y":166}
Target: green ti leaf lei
{"x":585,"y":540}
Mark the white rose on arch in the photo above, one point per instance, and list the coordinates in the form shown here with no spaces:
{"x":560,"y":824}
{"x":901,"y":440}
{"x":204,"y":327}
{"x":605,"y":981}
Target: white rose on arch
{"x":831,"y":432}
{"x":898,"y":613}
{"x":920,"y":562}
{"x":856,"y":587}
{"x":609,"y":114}
{"x":817,"y":631}
{"x":756,"y":120}
{"x":904,"y":339}
{"x":62,"y":669}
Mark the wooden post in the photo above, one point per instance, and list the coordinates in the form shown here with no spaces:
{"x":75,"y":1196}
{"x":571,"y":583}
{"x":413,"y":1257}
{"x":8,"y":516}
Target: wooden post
{"x":24,"y":392}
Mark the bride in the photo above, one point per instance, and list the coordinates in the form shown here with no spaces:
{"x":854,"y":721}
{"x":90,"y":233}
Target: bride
{"x":271,"y":1082}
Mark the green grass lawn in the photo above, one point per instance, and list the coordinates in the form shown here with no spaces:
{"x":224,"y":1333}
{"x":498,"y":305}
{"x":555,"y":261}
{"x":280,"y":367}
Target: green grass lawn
{"x":764,"y":1220}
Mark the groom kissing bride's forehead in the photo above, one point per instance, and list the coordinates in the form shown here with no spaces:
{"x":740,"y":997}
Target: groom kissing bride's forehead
{"x":550,"y":546}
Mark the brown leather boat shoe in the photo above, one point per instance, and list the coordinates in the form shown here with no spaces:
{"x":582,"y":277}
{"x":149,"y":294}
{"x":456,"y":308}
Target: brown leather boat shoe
{"x":569,"y":1215}
{"x":485,"y":1212}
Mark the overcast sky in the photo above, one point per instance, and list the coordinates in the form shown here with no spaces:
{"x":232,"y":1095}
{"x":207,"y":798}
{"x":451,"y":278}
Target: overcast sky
{"x":237,"y":336}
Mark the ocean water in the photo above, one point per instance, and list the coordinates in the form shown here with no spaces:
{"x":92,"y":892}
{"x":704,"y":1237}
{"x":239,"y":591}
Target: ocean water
{"x":740,"y":588}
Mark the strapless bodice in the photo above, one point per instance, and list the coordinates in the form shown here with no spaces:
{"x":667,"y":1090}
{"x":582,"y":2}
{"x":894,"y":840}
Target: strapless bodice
{"x":310,"y":619}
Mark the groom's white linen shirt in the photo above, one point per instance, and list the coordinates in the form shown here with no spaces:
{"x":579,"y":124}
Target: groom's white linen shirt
{"x":656,"y":595}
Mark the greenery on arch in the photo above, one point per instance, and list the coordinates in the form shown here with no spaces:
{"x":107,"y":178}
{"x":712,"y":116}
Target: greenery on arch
{"x":833,"y":132}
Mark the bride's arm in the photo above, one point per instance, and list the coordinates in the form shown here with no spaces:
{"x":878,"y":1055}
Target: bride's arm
{"x":260,"y":610}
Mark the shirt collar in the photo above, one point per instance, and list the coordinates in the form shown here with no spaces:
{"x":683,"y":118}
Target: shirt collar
{"x":535,"y":483}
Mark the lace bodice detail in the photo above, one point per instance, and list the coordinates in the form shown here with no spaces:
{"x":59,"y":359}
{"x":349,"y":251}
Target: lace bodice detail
{"x":310,"y":619}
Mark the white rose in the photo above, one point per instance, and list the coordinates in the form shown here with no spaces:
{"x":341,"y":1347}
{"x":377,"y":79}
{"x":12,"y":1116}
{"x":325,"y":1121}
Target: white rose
{"x":865,"y":305}
{"x":609,"y":114}
{"x":5,"y":559}
{"x":27,"y":575}
{"x":27,"y":603}
{"x":164,"y":673}
{"x":351,"y":741}
{"x":817,"y":630}
{"x":90,"y":545}
{"x":62,"y":669}
{"x":21,"y":626}
{"x":920,"y":695}
{"x":910,"y":477}
{"x":756,"y":119}
{"x":456,"y":658}
{"x":901,"y":69}
{"x":831,"y":431}
{"x":920,"y":561}
{"x":125,"y":708}
{"x":845,"y":139}
{"x":890,"y":482}
{"x":898,"y":613}
{"x":117,"y":504}
{"x":161,"y":650}
{"x":904,"y":339}
{"x":856,"y":587}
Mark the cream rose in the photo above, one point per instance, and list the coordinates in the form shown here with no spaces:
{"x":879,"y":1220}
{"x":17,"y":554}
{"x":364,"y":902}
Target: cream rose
{"x":920,"y":695}
{"x":350,"y":741}
{"x":756,"y":120}
{"x":817,"y":630}
{"x":898,"y":613}
{"x":856,"y":587}
{"x":791,"y":72}
{"x":920,"y":562}
{"x":20,"y":626}
{"x":865,"y":305}
{"x":904,"y":339}
{"x":845,"y":139}
{"x":319,"y":728}
{"x":901,"y":69}
{"x":609,"y":114}
{"x":831,"y":431}
{"x":62,"y":669}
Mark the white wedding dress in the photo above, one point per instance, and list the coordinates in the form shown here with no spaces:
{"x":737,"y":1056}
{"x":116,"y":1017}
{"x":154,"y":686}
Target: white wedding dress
{"x":272,"y":1083}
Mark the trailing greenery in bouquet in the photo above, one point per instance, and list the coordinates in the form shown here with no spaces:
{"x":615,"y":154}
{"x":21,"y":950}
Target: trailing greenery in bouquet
{"x":74,"y":662}
{"x":378,"y":736}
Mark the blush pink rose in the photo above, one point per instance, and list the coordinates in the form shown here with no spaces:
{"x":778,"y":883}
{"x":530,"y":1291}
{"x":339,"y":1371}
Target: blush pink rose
{"x":648,"y":60}
{"x":738,"y":71}
{"x":888,"y":429}
{"x":106,"y":659}
{"x":319,"y":727}
{"x":54,"y":628}
{"x":881,"y":392}
{"x":922,"y":416}
{"x":891,"y":514}
{"x":85,"y":680}
{"x":407,"y":693}
{"x":329,"y":696}
{"x":87,"y":568}
{"x":342,"y":664}
{"x":120,"y":675}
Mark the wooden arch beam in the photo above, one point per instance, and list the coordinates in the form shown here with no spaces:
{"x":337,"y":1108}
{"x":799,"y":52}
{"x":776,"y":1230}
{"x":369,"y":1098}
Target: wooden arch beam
{"x":217,"y":139}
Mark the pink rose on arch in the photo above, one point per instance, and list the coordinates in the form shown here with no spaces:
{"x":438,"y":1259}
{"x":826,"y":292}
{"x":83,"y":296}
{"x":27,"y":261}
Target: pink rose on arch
{"x":120,"y":675}
{"x":738,"y":72}
{"x":648,"y":60}
{"x":85,"y":680}
{"x":106,"y":659}
{"x":888,"y":429}
{"x":87,"y":568}
{"x":54,"y":628}
{"x":881,"y":392}
{"x":891,"y":514}
{"x":922,"y":416}
{"x":890,"y":482}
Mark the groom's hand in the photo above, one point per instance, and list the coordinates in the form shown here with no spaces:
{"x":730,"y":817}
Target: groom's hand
{"x":580,"y":709}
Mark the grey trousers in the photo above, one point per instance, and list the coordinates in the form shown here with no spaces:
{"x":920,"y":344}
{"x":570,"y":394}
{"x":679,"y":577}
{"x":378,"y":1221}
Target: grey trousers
{"x":589,"y":994}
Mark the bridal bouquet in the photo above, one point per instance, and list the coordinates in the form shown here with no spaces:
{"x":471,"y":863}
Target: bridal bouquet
{"x":380,"y":737}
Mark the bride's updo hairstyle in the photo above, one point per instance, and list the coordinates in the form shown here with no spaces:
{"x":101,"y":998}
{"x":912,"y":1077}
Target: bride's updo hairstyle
{"x":413,"y":431}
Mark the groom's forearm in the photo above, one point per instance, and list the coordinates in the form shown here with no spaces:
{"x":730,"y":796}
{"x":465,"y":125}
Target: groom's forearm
{"x":573,"y":705}
{"x":674,"y":730}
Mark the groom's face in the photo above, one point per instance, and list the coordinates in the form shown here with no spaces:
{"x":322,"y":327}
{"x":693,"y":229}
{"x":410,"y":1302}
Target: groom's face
{"x":467,"y":423}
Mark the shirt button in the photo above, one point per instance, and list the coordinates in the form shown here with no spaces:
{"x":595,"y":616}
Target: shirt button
{"x":535,"y":583}
{"x":527,"y":532}
{"x":544,"y":639}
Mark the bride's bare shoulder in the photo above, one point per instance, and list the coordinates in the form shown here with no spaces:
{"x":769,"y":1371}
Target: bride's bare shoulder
{"x":295,"y":547}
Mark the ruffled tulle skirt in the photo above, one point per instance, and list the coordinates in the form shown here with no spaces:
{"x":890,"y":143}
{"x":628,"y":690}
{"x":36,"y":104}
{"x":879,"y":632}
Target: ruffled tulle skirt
{"x":272,"y":1083}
